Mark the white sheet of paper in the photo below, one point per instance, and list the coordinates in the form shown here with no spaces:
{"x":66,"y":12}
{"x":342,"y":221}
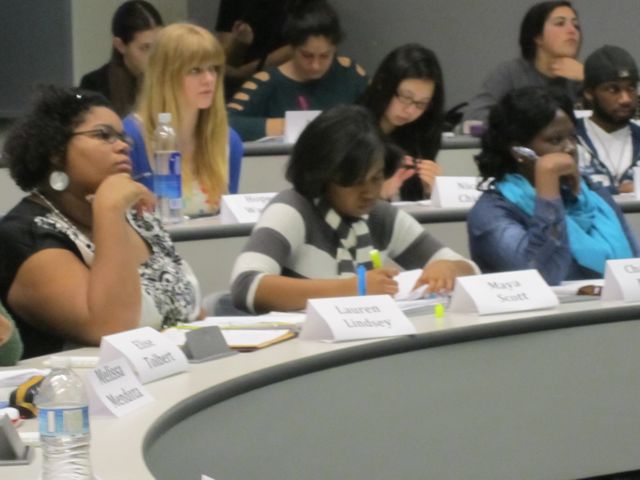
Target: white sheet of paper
{"x":571,"y":287}
{"x":13,"y":378}
{"x":251,"y":337}
{"x":406,"y":280}
{"x":295,"y":121}
{"x":455,"y":192}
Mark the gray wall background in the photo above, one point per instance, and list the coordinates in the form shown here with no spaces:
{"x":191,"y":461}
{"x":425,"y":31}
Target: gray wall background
{"x":470,"y":37}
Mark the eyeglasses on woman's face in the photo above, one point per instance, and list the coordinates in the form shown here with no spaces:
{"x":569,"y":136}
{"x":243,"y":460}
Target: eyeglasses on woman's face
{"x":107,"y":134}
{"x":407,"y":101}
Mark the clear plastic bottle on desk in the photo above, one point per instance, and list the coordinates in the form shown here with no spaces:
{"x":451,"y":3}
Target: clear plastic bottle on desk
{"x":167,"y":176}
{"x":63,"y":414}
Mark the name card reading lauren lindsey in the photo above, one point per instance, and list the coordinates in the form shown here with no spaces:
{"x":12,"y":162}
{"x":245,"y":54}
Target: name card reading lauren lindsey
{"x":354,"y":318}
{"x":502,"y":292}
{"x":150,"y":354}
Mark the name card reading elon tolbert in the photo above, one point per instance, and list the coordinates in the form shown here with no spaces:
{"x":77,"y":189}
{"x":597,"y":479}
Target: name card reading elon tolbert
{"x":354,"y":318}
{"x":622,"y":280}
{"x":151,"y":355}
{"x":114,"y":388}
{"x":453,"y":192}
{"x":245,"y":208}
{"x":502,"y":292}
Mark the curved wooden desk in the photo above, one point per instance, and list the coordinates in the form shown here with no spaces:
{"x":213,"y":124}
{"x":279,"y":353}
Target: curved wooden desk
{"x":548,"y":394}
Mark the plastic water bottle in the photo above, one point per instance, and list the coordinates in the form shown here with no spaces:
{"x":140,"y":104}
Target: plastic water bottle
{"x":63,"y":414}
{"x":167,"y":178}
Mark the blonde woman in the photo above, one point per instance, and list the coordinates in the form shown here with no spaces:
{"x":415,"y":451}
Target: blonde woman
{"x":184,"y":78}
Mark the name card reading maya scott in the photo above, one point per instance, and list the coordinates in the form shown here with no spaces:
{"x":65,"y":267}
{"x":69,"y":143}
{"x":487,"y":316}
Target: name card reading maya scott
{"x":502,"y":292}
{"x":455,"y":192}
{"x":622,"y":280}
{"x":354,"y":318}
{"x":151,"y":355}
{"x":113,"y":387}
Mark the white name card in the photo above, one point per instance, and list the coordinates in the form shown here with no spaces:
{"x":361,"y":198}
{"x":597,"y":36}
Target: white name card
{"x":622,"y":280}
{"x":151,"y":355}
{"x":115,"y":389}
{"x":245,"y":208}
{"x":502,"y":292}
{"x":455,"y":192}
{"x":295,"y":121}
{"x":354,"y":318}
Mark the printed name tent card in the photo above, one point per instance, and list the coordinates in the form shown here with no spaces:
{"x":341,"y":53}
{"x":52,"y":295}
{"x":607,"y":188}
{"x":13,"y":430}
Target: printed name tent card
{"x":151,"y":355}
{"x":455,"y":192}
{"x":354,"y":318}
{"x":114,"y":388}
{"x":622,"y":280}
{"x":502,"y":292}
{"x":244,"y":208}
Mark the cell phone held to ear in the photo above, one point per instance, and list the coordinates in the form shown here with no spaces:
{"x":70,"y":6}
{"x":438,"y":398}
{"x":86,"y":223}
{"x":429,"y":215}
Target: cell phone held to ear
{"x":524,"y":153}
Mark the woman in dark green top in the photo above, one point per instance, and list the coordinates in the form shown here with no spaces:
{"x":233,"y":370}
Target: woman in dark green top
{"x":10,"y":342}
{"x":313,"y":79}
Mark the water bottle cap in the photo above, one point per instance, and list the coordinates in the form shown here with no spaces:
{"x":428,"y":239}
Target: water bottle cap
{"x":164,"y":117}
{"x":59,"y":362}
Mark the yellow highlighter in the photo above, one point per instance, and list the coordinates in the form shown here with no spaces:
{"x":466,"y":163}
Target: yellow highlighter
{"x":375,"y":258}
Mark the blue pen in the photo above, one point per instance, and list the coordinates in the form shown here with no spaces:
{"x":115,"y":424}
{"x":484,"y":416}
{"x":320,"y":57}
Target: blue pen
{"x":362,"y":280}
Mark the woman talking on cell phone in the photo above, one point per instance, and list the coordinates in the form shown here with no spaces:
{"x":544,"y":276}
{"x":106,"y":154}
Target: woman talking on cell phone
{"x":537,"y":211}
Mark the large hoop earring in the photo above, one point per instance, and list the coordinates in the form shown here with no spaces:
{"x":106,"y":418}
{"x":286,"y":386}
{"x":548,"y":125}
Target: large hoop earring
{"x":58,"y":180}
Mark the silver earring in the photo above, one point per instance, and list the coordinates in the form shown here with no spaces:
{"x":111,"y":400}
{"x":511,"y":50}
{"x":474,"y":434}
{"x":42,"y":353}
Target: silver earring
{"x":58,"y":180}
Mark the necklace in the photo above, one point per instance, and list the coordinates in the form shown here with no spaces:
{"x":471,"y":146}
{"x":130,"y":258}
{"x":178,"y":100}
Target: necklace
{"x":63,"y":218}
{"x":617,"y":167}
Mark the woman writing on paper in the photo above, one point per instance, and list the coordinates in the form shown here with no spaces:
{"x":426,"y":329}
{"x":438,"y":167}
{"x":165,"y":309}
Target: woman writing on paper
{"x":313,"y":79}
{"x":406,"y":95}
{"x":184,"y":78}
{"x":80,"y":257}
{"x":310,"y":240}
{"x":537,"y":212}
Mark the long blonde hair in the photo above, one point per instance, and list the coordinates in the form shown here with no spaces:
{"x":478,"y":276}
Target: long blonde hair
{"x":180,"y":47}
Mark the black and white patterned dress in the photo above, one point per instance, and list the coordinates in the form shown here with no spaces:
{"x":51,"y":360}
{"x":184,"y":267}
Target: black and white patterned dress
{"x":170,"y":291}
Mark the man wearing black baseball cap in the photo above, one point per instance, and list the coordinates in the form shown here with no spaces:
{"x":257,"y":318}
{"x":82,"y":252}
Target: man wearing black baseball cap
{"x":611,"y":140}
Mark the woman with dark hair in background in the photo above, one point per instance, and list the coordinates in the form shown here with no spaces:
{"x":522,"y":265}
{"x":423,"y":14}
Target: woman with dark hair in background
{"x":313,"y":79}
{"x":134,"y":27}
{"x":550,"y":39}
{"x":80,"y":256}
{"x":406,"y":95}
{"x":537,"y":212}
{"x":310,"y":240}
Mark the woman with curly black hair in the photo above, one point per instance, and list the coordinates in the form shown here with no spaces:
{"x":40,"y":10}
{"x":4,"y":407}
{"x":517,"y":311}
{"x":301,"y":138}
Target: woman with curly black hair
{"x":80,"y":257}
{"x":537,"y":211}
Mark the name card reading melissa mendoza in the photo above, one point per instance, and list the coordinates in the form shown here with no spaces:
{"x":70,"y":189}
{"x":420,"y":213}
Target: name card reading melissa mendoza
{"x":502,"y":292}
{"x":354,"y":318}
{"x":151,"y":355}
{"x":454,"y":192}
{"x":243,"y":208}
{"x":622,"y":280}
{"x":114,"y":388}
